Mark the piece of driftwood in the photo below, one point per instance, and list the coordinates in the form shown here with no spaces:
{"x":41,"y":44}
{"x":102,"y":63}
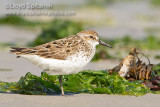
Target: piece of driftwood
{"x":133,"y":68}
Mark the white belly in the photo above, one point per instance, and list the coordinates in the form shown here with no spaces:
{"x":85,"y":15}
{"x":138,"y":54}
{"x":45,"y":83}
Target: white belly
{"x":72,"y":64}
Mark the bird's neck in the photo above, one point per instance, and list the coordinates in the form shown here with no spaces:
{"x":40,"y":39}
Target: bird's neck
{"x":93,"y":44}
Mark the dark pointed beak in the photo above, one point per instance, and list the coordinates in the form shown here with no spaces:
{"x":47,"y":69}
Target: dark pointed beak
{"x":105,"y":44}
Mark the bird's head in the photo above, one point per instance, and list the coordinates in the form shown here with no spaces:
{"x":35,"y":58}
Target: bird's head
{"x":92,"y":37}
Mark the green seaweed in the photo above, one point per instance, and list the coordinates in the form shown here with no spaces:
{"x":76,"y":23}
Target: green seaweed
{"x":93,"y":82}
{"x":150,"y":42}
{"x":20,"y":21}
{"x":7,"y":87}
{"x":57,"y":29}
{"x":31,"y":84}
{"x":155,"y":3}
{"x":156,"y":68}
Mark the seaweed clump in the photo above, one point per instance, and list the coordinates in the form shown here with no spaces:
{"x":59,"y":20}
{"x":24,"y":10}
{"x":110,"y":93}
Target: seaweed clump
{"x":93,"y":82}
{"x":132,"y":68}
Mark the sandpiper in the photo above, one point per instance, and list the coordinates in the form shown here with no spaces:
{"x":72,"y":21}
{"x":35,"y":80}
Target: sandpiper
{"x":64,"y":56}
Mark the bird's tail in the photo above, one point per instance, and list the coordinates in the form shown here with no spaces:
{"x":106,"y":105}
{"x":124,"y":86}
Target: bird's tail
{"x":16,"y":50}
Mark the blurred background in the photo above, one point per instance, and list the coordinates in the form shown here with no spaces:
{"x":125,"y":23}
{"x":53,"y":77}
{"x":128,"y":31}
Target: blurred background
{"x":124,"y":24}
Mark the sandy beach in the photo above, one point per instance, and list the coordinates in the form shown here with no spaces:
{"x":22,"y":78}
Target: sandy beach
{"x":78,"y":100}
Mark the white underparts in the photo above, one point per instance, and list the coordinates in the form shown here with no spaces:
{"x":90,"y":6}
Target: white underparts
{"x":73,"y":64}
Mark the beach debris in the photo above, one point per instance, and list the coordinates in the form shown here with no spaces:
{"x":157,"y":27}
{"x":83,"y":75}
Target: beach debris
{"x":128,"y":64}
{"x":153,"y":84}
{"x":133,"y":68}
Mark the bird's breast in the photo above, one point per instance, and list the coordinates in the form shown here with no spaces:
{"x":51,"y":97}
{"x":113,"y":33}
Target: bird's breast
{"x":82,"y":57}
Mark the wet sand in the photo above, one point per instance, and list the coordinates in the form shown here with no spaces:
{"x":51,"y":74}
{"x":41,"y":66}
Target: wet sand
{"x":78,"y":100}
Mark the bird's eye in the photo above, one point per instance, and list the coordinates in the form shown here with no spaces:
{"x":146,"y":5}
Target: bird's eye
{"x":91,"y":36}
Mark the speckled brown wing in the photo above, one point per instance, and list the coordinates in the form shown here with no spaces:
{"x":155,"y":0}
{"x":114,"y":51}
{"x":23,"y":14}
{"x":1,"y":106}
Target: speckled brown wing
{"x":58,"y":49}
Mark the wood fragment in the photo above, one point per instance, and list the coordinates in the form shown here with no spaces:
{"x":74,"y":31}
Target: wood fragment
{"x":133,"y":68}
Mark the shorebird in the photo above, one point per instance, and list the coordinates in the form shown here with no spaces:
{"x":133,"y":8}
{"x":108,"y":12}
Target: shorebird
{"x":64,"y":56}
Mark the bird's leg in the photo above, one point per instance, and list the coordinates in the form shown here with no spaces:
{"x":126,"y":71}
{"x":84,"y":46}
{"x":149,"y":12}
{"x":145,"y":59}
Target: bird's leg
{"x":43,"y":72}
{"x":60,"y":81}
